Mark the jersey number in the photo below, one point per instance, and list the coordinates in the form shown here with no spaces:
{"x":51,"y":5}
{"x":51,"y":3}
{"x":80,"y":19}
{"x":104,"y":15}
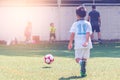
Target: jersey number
{"x":82,"y":29}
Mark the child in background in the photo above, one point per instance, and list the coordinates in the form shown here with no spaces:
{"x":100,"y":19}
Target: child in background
{"x":52,"y":32}
{"x":28,"y":32}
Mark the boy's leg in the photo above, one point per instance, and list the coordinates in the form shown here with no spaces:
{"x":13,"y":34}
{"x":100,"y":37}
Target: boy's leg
{"x":86,"y":54}
{"x":51,"y":36}
{"x":54,"y":37}
{"x":83,"y":68}
{"x":78,"y":56}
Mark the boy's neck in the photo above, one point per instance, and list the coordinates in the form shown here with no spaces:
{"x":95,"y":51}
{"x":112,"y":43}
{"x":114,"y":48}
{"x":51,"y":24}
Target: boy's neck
{"x":80,"y":19}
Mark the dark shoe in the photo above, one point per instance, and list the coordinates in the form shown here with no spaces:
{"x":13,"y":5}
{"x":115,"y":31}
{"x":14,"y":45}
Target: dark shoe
{"x":100,"y":41}
{"x":83,"y":75}
{"x":92,"y":41}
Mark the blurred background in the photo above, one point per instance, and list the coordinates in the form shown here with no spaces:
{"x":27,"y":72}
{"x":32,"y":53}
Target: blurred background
{"x":15,"y":14}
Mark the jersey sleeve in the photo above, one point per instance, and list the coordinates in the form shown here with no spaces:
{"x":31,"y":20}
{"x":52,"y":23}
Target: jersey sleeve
{"x":72,"y":29}
{"x":89,"y":28}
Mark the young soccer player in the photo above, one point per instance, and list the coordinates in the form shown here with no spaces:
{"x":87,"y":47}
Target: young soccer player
{"x":80,"y":34}
{"x":52,"y":32}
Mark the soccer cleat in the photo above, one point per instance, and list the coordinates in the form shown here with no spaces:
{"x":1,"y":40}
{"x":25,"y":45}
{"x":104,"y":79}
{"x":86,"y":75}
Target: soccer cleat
{"x":83,"y":74}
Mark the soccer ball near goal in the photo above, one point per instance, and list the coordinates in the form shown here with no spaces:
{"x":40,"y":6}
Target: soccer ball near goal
{"x":48,"y":58}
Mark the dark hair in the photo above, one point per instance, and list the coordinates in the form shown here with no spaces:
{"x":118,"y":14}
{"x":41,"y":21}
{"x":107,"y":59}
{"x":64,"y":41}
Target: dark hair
{"x":81,"y":11}
{"x":93,"y":7}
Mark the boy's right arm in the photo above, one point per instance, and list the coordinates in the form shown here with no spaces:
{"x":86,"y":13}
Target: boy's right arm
{"x":71,"y":41}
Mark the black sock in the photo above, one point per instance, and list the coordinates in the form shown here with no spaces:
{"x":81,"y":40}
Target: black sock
{"x":83,"y":67}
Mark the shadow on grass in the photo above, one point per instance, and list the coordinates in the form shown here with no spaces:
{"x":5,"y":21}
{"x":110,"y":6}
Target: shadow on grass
{"x":70,"y":78}
{"x":45,"y":67}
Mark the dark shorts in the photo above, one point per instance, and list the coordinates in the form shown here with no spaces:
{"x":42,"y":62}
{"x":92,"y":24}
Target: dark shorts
{"x":52,"y":35}
{"x":96,"y":28}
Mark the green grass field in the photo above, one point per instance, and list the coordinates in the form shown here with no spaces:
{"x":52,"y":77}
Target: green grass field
{"x":25,"y":62}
